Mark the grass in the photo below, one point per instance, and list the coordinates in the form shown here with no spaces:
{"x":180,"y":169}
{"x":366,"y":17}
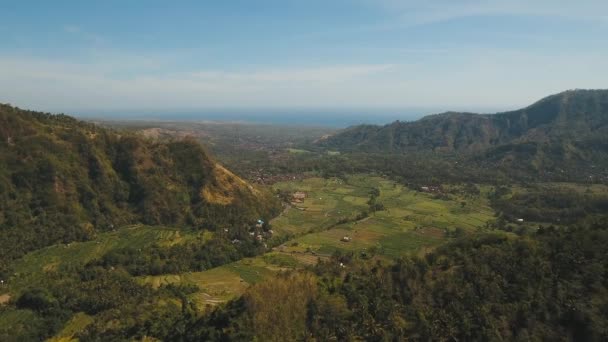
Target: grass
{"x":216,"y":285}
{"x":408,"y":242}
{"x":249,"y":273}
{"x":297,"y":151}
{"x":595,"y":189}
{"x":15,"y":322}
{"x":327,"y":202}
{"x":76,"y":324}
{"x":412,"y":221}
{"x":222,"y":283}
{"x":281,"y":260}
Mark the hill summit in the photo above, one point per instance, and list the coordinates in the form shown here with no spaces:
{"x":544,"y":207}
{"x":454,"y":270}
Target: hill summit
{"x":63,"y":180}
{"x":571,"y":115}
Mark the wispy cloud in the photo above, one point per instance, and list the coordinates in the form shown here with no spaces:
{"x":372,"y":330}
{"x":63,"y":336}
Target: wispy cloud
{"x":71,"y":29}
{"x":415,"y":12}
{"x":45,"y":84}
{"x":333,"y":74}
{"x":80,"y":33}
{"x":481,"y":78}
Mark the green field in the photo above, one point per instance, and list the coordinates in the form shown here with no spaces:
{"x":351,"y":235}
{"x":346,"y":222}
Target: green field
{"x":297,"y":151}
{"x":74,"y":325}
{"x":222,"y":283}
{"x":327,"y":202}
{"x":412,"y":222}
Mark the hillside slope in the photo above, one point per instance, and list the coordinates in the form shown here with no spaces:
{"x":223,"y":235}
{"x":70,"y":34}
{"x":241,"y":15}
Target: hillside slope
{"x":63,"y":180}
{"x":579,"y":115}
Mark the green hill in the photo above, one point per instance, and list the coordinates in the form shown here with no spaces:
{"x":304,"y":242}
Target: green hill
{"x":577,"y":115}
{"x":64,"y":180}
{"x":561,"y":137}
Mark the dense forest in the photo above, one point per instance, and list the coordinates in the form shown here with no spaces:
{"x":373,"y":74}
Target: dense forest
{"x":549,"y":285}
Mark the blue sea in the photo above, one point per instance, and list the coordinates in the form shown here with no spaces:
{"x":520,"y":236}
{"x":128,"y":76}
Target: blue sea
{"x":304,"y":117}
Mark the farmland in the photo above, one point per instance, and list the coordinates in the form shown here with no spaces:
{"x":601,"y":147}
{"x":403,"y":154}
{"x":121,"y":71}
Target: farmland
{"x":412,"y":222}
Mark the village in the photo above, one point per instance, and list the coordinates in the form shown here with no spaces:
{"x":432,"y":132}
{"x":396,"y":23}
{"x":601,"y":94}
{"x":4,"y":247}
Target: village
{"x":260,"y":231}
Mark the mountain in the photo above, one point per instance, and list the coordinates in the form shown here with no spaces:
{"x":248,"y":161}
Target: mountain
{"x":578,"y":115}
{"x":64,"y":180}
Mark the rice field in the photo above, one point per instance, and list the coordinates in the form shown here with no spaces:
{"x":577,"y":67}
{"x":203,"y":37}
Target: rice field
{"x":412,"y":223}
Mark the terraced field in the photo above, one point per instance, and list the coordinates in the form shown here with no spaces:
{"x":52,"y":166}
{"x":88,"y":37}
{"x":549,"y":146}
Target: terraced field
{"x":412,"y":222}
{"x":327,"y":202}
{"x":221,"y":283}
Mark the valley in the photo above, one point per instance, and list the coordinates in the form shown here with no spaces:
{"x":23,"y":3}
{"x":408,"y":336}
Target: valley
{"x":303,"y":171}
{"x":120,"y":229}
{"x":412,"y":222}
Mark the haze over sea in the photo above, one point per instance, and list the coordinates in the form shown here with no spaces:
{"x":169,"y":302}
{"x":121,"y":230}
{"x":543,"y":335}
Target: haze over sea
{"x":337,"y":118}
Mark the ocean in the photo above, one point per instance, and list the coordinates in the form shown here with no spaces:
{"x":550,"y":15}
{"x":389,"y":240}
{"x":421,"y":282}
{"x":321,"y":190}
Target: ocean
{"x":328,"y":118}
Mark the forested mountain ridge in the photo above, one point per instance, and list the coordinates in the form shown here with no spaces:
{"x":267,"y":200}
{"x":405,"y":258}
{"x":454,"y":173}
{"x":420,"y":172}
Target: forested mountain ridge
{"x":64,"y":180}
{"x":577,"y":115}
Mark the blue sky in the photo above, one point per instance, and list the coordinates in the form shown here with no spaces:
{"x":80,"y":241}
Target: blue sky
{"x":186,"y":55}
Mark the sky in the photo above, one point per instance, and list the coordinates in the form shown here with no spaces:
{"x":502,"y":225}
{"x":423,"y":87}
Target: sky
{"x":170,"y":56}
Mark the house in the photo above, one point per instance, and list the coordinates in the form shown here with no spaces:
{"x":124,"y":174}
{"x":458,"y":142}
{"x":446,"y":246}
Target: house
{"x":345,"y":239}
{"x":298,"y":197}
{"x":520,"y":220}
{"x":431,"y":189}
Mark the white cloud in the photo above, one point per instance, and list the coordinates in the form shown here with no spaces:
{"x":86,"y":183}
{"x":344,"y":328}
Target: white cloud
{"x":471,"y":79}
{"x":71,"y":29}
{"x":80,"y":33}
{"x":333,"y":74}
{"x":51,"y":85}
{"x":416,"y":12}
